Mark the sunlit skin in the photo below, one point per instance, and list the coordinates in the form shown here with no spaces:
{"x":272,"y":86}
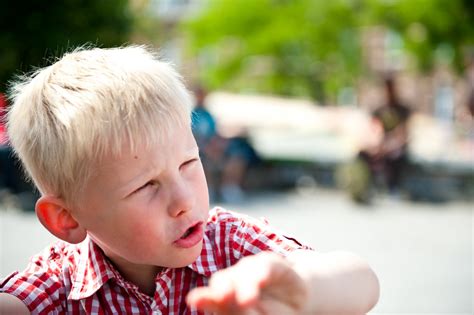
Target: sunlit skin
{"x":138,"y":204}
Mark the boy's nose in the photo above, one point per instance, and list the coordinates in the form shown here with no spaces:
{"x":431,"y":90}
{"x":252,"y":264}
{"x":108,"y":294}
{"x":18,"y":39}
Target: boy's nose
{"x":181,"y":200}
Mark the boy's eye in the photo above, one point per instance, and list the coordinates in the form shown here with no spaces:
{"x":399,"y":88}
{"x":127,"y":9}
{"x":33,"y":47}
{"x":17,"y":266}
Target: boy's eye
{"x":189,"y":162}
{"x":150,"y":184}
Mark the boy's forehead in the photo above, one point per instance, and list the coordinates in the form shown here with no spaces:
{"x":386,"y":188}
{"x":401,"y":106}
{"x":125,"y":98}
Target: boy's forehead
{"x":128,"y":153}
{"x":141,"y":147}
{"x":113,"y":171}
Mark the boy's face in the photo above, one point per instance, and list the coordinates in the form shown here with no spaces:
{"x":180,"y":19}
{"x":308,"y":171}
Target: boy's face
{"x":149,"y":207}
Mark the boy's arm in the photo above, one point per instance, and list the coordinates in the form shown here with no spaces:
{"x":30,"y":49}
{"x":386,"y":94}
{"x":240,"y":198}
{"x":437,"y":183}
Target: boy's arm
{"x":10,"y":304}
{"x":338,"y":282}
{"x":304,"y":283}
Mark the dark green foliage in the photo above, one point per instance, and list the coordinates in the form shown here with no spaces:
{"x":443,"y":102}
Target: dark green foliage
{"x":34,"y":31}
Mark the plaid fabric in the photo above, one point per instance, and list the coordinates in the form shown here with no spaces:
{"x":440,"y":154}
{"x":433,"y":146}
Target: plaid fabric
{"x":78,"y":279}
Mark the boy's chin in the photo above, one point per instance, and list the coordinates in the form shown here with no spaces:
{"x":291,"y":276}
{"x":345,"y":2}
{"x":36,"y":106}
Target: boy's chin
{"x":187,"y":257}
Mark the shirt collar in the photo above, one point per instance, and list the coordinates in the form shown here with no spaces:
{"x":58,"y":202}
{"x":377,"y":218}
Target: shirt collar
{"x":91,"y":272}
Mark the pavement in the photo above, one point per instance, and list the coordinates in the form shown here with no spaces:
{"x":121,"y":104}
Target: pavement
{"x":421,"y":252}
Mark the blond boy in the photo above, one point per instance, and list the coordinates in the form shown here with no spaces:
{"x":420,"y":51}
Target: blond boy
{"x":105,"y":136}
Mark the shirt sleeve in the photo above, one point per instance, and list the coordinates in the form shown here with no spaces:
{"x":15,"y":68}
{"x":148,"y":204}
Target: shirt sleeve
{"x":39,"y":286}
{"x":249,"y":236}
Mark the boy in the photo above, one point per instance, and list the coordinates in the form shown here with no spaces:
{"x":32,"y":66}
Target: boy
{"x":105,"y":135}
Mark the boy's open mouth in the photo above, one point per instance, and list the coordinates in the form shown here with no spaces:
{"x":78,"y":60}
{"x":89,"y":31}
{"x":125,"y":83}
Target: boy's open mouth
{"x":188,"y":231}
{"x":192,"y":236}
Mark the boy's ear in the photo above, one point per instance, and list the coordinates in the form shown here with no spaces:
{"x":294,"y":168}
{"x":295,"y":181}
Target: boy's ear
{"x":53,"y":214}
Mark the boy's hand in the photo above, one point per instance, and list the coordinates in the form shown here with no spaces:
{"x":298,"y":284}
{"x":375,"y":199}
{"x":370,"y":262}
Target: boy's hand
{"x":260,"y":284}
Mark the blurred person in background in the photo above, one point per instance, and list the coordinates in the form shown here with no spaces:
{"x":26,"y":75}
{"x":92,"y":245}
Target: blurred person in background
{"x":15,"y":191}
{"x":8,"y":173}
{"x":226,"y":160}
{"x":3,"y":110}
{"x":470,"y":101}
{"x":3,"y":143}
{"x":470,"y":82}
{"x":383,"y":163}
{"x":393,"y":150}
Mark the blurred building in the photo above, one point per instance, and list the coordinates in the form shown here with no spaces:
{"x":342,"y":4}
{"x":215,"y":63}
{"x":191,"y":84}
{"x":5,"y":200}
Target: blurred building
{"x":169,"y":13}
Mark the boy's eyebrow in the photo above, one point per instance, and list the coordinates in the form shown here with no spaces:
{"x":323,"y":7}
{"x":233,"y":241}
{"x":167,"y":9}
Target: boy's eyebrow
{"x":193,"y":151}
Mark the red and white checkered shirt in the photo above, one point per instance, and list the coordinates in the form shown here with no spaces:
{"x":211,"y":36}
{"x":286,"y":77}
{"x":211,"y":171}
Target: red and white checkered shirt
{"x":78,"y":279}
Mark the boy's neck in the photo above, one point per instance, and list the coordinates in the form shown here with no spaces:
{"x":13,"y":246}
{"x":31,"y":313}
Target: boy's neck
{"x":143,"y":276}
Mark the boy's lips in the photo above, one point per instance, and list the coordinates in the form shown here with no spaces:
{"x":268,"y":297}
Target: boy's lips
{"x":192,"y":236}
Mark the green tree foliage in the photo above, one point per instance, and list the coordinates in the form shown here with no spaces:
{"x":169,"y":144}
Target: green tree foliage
{"x":312,"y":47}
{"x":432,"y":30}
{"x":34,"y":31}
{"x":300,"y":47}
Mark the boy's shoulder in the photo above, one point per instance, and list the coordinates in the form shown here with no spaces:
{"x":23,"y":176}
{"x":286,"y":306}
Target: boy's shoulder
{"x":240,"y":235}
{"x":54,"y":258}
{"x":231,"y":224}
{"x":48,"y":279}
{"x":219,"y":215}
{"x":53,"y":261}
{"x":61,"y":268}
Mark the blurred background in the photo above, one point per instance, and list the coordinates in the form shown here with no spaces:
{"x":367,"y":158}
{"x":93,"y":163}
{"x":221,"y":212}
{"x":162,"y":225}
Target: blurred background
{"x":348,"y":124}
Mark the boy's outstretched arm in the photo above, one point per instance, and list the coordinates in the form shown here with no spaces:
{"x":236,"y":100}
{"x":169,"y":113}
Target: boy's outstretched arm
{"x":304,"y":283}
{"x":339,"y":282}
{"x":10,"y":304}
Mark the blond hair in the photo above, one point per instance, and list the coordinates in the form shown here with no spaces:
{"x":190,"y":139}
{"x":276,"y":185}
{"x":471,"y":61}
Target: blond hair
{"x":91,"y":102}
